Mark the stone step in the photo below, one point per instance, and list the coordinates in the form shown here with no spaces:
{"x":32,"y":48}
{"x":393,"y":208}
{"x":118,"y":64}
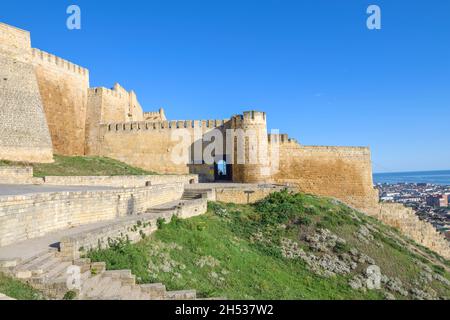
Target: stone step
{"x":84,"y":264}
{"x":45,"y":266}
{"x":36,"y":260}
{"x":90,"y":283}
{"x":101,"y":286}
{"x":145,"y":296}
{"x":193,"y":195}
{"x":125,"y":273}
{"x":98,"y":267}
{"x":85,"y":276}
{"x":112,"y":290}
{"x":9,"y":263}
{"x":125,"y":292}
{"x":63,"y":278}
{"x":181,"y":295}
{"x":135,"y":293}
{"x":156,"y":291}
{"x":22,"y":274}
{"x":57,"y":271}
{"x":36,"y":270}
{"x":125,"y":276}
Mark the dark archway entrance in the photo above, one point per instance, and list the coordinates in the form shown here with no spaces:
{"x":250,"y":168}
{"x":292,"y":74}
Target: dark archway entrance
{"x":222,"y":171}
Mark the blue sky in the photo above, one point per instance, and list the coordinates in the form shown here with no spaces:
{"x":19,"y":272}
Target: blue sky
{"x":312,"y":65}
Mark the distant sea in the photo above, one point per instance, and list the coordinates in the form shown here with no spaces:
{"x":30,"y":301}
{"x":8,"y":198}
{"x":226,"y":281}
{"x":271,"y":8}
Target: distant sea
{"x":434,"y":177}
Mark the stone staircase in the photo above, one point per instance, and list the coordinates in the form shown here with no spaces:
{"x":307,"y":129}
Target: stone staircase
{"x":190,"y":194}
{"x":55,"y":272}
{"x":48,"y":272}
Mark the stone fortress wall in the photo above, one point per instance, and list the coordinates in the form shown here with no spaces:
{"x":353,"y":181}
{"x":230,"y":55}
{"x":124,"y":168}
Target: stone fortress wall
{"x":24,"y":133}
{"x":152,"y":145}
{"x":63,"y":87}
{"x":341,"y":172}
{"x":110,"y":122}
{"x":109,"y":105}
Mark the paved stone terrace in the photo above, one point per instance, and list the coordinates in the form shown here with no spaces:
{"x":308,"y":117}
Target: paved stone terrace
{"x":21,"y":189}
{"x":26,"y":249}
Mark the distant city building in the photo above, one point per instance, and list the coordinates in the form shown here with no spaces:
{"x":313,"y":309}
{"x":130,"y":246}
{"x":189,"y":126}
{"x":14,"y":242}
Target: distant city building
{"x":437,"y":201}
{"x":429,"y":201}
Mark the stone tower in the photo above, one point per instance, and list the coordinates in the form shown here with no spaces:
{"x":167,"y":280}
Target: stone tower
{"x":250,"y":148}
{"x":24,"y":134}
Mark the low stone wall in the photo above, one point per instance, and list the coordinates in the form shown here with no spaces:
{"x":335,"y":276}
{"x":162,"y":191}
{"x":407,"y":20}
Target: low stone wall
{"x":404,"y":219}
{"x":24,"y":175}
{"x":133,"y":228}
{"x":121,"y":181}
{"x":192,"y":208}
{"x":12,"y":175}
{"x":244,"y":195}
{"x":33,"y":215}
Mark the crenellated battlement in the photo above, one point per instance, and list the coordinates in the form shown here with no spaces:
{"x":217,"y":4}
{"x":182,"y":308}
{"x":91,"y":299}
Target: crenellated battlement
{"x":249,"y":118}
{"x":106,"y":91}
{"x":340,"y":150}
{"x":254,"y":116}
{"x":40,"y":56}
{"x":151,"y":113}
{"x":161,"y":125}
{"x":280,"y":138}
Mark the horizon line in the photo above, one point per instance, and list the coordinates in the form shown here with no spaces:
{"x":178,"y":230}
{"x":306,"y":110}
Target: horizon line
{"x":415,"y":171}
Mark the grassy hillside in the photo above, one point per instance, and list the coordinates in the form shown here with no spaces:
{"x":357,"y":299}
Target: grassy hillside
{"x":18,"y":290}
{"x":284,"y":247}
{"x":81,"y":166}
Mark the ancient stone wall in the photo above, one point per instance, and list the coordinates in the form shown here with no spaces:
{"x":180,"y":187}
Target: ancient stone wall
{"x":341,"y":172}
{"x":155,"y":116}
{"x":121,"y":181}
{"x":24,"y":134}
{"x":33,"y":215}
{"x":131,"y":228}
{"x":12,"y":175}
{"x":405,"y":220}
{"x":63,"y":87}
{"x":162,"y":147}
{"x":244,"y":195}
{"x":106,"y":106}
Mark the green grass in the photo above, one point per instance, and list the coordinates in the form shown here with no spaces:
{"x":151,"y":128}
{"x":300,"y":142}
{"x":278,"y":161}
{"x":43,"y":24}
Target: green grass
{"x":81,"y":166}
{"x":236,"y":267}
{"x":18,"y":290}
